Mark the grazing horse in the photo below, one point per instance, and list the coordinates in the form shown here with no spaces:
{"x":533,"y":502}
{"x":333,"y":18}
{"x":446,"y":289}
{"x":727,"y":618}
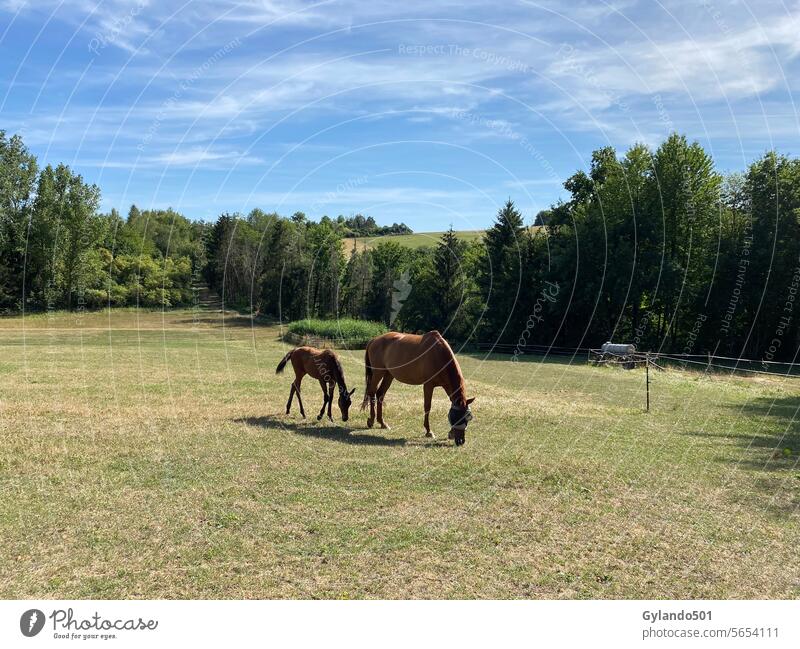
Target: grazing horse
{"x":323,"y":365}
{"x":425,"y":360}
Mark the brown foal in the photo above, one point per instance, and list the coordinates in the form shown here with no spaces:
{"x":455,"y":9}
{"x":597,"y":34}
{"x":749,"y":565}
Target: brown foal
{"x":323,"y":365}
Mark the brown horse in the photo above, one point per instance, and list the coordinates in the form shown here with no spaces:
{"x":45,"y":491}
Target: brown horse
{"x":323,"y":365}
{"x":425,"y":360}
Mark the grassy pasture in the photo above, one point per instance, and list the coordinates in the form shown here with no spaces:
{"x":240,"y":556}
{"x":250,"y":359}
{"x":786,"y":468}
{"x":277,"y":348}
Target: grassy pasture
{"x":146,"y":455}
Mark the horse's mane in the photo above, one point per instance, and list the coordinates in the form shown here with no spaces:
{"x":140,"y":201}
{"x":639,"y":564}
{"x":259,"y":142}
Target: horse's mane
{"x":453,"y":370}
{"x":340,"y":372}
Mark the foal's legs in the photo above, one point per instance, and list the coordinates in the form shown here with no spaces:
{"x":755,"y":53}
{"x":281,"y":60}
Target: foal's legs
{"x":330,"y":402}
{"x":296,"y":385}
{"x":387,"y":381}
{"x":324,"y":399}
{"x":427,"y":391}
{"x":298,"y":377}
{"x":291,"y":396}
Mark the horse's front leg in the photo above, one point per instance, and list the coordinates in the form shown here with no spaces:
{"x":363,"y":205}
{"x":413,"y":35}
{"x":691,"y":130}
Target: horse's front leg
{"x":324,"y":399}
{"x":330,"y":402}
{"x":427,"y":391}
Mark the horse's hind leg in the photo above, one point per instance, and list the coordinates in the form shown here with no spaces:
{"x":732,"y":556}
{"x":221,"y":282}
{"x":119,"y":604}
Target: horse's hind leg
{"x":427,"y":391}
{"x":371,"y":418}
{"x":296,"y":384}
{"x":372,"y":388}
{"x":291,"y":396}
{"x":387,"y":381}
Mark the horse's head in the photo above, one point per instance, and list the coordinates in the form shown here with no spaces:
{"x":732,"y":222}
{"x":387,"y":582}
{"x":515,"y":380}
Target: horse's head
{"x":344,"y":402}
{"x":459,"y":416}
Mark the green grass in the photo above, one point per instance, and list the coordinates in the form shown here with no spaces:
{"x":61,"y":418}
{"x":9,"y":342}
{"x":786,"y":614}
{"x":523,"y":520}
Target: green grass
{"x":146,"y":455}
{"x":352,"y":332}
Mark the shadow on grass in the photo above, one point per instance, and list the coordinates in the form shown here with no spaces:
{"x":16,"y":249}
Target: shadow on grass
{"x":774,"y":443}
{"x":552,"y":359}
{"x":777,"y":435}
{"x":231,"y":319}
{"x":337,"y":433}
{"x":770,"y":449}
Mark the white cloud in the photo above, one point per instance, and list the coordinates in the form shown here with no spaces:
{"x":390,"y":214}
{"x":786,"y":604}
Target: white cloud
{"x":197,"y":156}
{"x":719,"y":64}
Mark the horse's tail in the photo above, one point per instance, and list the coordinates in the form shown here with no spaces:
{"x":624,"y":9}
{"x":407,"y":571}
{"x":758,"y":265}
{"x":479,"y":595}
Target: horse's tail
{"x":282,"y":364}
{"x":367,"y":376}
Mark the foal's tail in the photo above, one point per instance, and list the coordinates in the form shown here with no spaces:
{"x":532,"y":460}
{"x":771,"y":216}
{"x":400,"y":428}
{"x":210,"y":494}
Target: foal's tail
{"x":367,"y":376}
{"x":282,"y":364}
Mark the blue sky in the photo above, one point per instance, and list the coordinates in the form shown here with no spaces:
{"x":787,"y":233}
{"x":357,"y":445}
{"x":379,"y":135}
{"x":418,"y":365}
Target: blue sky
{"x":425,"y":112}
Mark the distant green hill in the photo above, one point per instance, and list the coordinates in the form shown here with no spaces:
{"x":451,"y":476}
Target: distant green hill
{"x":416,"y":240}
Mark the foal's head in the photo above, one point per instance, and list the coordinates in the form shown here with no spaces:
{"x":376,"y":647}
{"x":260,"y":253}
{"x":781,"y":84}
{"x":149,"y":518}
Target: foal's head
{"x":459,"y":416}
{"x":344,"y":402}
{"x":344,"y":395}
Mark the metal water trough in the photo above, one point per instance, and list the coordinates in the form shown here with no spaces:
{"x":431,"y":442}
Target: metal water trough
{"x":616,"y":349}
{"x":618,"y":353}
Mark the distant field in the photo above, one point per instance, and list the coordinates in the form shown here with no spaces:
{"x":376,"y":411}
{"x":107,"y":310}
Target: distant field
{"x":147,"y":455}
{"x":416,"y":240}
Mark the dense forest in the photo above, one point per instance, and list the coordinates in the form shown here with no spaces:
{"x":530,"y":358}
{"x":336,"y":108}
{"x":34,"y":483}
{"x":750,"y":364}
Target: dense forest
{"x":654,"y":247}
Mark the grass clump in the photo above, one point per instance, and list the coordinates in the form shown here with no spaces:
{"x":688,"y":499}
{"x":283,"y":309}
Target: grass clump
{"x":354,"y":333}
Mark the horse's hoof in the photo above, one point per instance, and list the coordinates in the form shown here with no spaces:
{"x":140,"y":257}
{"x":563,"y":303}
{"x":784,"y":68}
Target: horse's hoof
{"x":319,"y":417}
{"x":430,"y":434}
{"x":370,"y":422}
{"x":385,"y":426}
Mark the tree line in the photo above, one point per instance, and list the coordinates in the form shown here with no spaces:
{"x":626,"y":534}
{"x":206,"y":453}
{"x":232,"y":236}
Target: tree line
{"x":660,"y":249}
{"x":651,"y":247}
{"x":654,"y":247}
